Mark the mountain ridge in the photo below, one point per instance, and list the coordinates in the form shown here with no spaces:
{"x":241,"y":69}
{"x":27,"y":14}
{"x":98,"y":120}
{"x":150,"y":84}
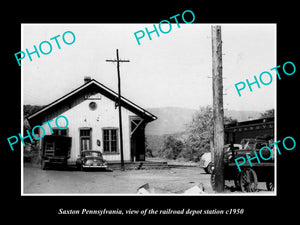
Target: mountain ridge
{"x":174,"y":119}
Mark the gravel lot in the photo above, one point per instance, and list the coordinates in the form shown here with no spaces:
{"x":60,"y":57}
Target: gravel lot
{"x":37,"y":181}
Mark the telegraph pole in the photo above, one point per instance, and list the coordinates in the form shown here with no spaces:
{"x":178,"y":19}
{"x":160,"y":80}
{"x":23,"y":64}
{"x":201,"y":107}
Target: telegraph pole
{"x":119,"y":104}
{"x":218,"y":113}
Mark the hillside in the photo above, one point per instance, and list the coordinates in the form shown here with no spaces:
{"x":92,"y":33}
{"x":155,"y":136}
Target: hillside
{"x":170,"y":120}
{"x":174,"y":119}
{"x":243,"y":115}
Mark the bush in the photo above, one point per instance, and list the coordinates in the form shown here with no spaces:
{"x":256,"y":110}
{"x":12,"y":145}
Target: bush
{"x":190,"y":150}
{"x":149,"y":153}
{"x":197,"y":138}
{"x":171,"y":148}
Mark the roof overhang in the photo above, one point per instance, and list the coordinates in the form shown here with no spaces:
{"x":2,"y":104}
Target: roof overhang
{"x":104,"y":90}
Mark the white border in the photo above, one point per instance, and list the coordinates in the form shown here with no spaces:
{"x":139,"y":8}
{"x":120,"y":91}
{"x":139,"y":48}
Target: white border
{"x":22,"y":118}
{"x":177,"y":195}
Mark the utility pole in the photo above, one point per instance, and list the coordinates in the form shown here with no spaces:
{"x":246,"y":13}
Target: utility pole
{"x":218,"y":113}
{"x":119,"y":104}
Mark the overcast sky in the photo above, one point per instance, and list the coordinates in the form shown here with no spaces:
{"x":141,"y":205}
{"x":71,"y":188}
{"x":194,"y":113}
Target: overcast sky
{"x":170,"y":70}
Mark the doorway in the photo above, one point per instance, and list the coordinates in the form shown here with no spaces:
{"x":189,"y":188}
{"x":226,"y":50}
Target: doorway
{"x":137,"y":139}
{"x":85,"y":139}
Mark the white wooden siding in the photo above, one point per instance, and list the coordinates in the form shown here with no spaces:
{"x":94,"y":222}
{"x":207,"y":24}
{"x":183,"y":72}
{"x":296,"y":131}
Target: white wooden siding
{"x":105,"y":115}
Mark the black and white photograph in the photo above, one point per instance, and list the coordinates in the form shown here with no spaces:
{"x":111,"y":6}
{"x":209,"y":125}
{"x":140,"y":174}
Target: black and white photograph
{"x":115,"y":114}
{"x":149,"y":112}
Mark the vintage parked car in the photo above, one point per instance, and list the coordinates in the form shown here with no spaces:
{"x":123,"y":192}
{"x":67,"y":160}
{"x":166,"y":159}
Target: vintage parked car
{"x":206,"y":162}
{"x":91,"y":159}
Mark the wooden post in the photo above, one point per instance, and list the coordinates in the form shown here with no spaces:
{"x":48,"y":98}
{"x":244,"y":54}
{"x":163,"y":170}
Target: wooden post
{"x":119,"y":105}
{"x":218,"y":113}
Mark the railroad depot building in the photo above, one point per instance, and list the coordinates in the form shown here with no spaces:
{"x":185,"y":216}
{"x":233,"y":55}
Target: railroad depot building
{"x":92,"y":113}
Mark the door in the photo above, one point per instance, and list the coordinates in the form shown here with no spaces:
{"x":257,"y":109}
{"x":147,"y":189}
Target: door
{"x":137,"y":139}
{"x":85,"y":139}
{"x":85,"y":144}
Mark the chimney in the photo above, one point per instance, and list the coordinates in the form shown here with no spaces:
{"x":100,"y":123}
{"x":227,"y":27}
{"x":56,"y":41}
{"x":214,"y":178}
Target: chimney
{"x":87,"y":79}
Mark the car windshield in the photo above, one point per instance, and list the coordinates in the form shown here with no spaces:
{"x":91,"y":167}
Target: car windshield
{"x":92,"y":154}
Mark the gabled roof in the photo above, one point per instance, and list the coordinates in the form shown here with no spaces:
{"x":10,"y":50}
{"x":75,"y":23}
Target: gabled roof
{"x":92,"y":85}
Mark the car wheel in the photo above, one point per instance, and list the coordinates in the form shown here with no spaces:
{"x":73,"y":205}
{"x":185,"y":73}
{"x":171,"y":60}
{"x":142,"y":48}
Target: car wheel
{"x":213,"y":180}
{"x":248,"y":180}
{"x":64,"y":165}
{"x":81,"y":167}
{"x":43,"y":164}
{"x":78,"y":167}
{"x":209,"y":168}
{"x":237,"y":182}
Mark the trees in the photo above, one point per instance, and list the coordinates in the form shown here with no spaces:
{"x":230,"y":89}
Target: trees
{"x":172,"y":147}
{"x":30,"y":109}
{"x":200,"y":132}
{"x":267,"y":114}
{"x":196,"y":140}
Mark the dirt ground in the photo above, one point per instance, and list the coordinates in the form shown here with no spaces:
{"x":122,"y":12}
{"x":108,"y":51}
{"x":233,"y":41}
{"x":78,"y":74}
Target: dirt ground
{"x":37,"y":181}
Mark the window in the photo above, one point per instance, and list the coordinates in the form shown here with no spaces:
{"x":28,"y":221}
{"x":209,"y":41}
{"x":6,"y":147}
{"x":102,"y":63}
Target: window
{"x":50,"y":148}
{"x":93,"y":106}
{"x":60,"y":132}
{"x":63,"y":132}
{"x":110,"y":141}
{"x":85,"y":132}
{"x":85,"y":139}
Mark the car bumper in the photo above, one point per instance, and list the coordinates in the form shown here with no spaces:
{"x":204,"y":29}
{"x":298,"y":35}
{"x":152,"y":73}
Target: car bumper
{"x":94,"y":166}
{"x":55,"y":161}
{"x":203,"y":164}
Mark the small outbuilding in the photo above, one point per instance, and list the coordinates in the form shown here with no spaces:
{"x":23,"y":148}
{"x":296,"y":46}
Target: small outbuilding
{"x":92,"y":113}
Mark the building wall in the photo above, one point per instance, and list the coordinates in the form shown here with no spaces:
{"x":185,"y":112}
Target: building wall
{"x":104,"y":116}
